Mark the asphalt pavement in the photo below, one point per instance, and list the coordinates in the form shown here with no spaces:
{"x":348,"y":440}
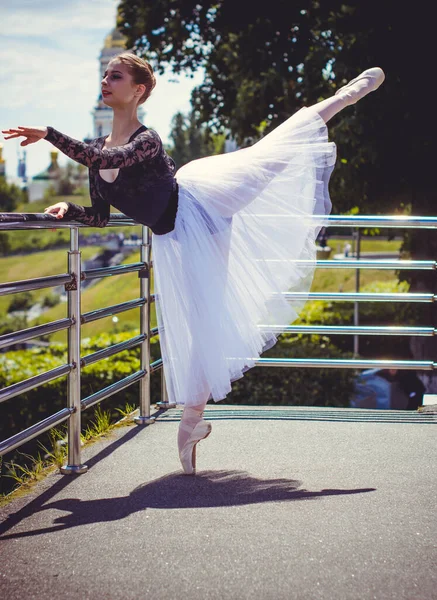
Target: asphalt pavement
{"x":288,"y":503}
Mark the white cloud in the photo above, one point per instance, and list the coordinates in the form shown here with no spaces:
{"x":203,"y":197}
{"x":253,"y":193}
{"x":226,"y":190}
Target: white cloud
{"x":50,"y":73}
{"x":38,"y":18}
{"x":45,"y":78}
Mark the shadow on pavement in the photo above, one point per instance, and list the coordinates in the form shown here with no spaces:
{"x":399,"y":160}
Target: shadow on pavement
{"x":206,"y":490}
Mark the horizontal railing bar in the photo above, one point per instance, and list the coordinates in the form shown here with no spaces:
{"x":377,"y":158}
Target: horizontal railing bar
{"x":397,"y":221}
{"x":31,"y":432}
{"x":327,"y":363}
{"x":111,"y":271}
{"x":156,"y":365}
{"x":44,"y":221}
{"x":111,"y":389}
{"x":154,"y":331}
{"x":22,"y":221}
{"x":27,"y":334}
{"x":363,"y":264}
{"x":100,"y":313}
{"x":111,"y":350}
{"x":381,"y":221}
{"x":351,"y":330}
{"x":361,"y":296}
{"x":402,"y":265}
{"x":33,"y":382}
{"x":12,"y":287}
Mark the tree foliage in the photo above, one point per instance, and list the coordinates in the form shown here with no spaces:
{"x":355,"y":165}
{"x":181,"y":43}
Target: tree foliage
{"x":10,"y":196}
{"x":263,"y":61}
{"x":189,"y":141}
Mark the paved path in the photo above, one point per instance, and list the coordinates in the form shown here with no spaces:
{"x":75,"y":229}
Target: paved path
{"x":289,"y":503}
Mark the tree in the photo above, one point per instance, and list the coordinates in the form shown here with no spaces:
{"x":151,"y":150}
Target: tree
{"x":263,"y":61}
{"x":189,"y":141}
{"x":10,"y":196}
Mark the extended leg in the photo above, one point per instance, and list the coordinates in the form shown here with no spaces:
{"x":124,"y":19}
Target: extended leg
{"x":356,"y":89}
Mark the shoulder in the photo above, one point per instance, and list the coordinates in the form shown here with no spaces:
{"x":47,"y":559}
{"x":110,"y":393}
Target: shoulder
{"x":148,"y":141}
{"x":150,"y":135}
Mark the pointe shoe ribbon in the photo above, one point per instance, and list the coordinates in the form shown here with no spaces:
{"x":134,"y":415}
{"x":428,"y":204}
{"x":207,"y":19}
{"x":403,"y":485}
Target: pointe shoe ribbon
{"x":375,"y":76}
{"x":187,"y":454}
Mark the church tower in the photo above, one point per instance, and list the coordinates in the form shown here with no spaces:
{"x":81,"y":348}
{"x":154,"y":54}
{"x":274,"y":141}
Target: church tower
{"x":102,"y":114}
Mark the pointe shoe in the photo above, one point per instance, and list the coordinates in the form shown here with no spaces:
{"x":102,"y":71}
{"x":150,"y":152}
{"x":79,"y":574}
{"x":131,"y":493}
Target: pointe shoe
{"x":374,"y":77}
{"x":187,"y":454}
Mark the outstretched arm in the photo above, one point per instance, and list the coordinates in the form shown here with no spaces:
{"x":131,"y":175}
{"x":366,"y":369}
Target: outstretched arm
{"x":144,"y":147}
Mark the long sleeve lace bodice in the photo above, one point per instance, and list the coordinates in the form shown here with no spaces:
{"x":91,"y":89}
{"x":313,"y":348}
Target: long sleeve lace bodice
{"x":145,"y":146}
{"x":144,"y":188}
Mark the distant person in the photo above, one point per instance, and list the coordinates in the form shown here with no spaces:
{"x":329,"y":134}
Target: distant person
{"x":323,"y":238}
{"x":216,"y":222}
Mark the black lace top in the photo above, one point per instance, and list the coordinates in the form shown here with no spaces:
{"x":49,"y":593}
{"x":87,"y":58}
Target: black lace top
{"x":145,"y":188}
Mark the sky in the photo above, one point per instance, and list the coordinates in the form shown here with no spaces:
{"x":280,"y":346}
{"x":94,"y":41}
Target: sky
{"x":50,"y":75}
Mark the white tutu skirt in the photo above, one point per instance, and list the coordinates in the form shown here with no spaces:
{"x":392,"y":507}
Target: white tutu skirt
{"x":242,"y":237}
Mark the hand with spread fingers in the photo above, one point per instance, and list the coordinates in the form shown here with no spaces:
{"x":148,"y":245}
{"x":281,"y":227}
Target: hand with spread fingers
{"x":58,"y":210}
{"x":32,"y":134}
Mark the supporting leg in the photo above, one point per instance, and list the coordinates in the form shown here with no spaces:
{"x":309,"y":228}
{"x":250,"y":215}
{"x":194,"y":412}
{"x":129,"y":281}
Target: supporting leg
{"x":190,"y":417}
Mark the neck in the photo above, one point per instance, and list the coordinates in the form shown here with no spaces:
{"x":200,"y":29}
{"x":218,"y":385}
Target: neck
{"x":124,"y":124}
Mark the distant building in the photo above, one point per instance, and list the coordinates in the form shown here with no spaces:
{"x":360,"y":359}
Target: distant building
{"x":50,"y":177}
{"x":115,"y":43}
{"x":21,"y":168}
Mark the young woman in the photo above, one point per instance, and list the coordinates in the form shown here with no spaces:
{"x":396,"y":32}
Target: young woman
{"x":230,"y":232}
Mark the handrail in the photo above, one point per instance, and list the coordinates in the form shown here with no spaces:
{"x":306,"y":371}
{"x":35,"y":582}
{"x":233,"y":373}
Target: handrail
{"x":74,"y":321}
{"x":10,"y":221}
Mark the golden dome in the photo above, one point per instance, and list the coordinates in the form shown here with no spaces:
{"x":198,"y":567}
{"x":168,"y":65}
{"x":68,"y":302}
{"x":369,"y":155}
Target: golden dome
{"x":115,"y":39}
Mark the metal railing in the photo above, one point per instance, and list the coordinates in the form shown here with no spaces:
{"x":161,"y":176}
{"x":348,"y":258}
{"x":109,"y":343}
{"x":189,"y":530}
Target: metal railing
{"x":74,"y":320}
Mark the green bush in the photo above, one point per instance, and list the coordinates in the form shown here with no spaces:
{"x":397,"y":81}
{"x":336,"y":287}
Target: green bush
{"x":11,"y":324}
{"x":50,"y":299}
{"x":22,"y":301}
{"x":5,"y":244}
{"x":260,"y":385}
{"x":45,"y":400}
{"x":371,"y":314}
{"x":296,"y":386}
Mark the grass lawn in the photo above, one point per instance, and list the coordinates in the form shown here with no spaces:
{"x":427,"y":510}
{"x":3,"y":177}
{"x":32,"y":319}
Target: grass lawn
{"x":105,"y":292}
{"x":366,"y":245}
{"x":37,"y":264}
{"x":113,"y":290}
{"x":343,"y":280}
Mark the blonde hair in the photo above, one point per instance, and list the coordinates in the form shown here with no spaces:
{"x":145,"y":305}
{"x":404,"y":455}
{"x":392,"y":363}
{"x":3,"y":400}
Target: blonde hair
{"x":140,"y":70}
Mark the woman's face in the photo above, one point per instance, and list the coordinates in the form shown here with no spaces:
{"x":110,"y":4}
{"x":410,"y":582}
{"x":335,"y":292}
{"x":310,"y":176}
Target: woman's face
{"x":118,"y":87}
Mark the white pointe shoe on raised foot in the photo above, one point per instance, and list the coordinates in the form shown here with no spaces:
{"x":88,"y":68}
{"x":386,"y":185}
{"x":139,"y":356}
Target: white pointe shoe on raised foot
{"x":357,"y":88}
{"x":187,"y":454}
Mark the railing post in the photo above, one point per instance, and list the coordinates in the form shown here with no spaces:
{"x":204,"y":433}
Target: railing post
{"x":144,"y":417}
{"x":164,"y":395}
{"x":357,"y":289}
{"x":74,"y":465}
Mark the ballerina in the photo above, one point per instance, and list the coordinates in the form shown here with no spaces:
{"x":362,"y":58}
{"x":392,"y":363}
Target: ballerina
{"x":231,"y":232}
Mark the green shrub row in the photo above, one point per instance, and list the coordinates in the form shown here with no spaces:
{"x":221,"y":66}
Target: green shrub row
{"x":260,"y":385}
